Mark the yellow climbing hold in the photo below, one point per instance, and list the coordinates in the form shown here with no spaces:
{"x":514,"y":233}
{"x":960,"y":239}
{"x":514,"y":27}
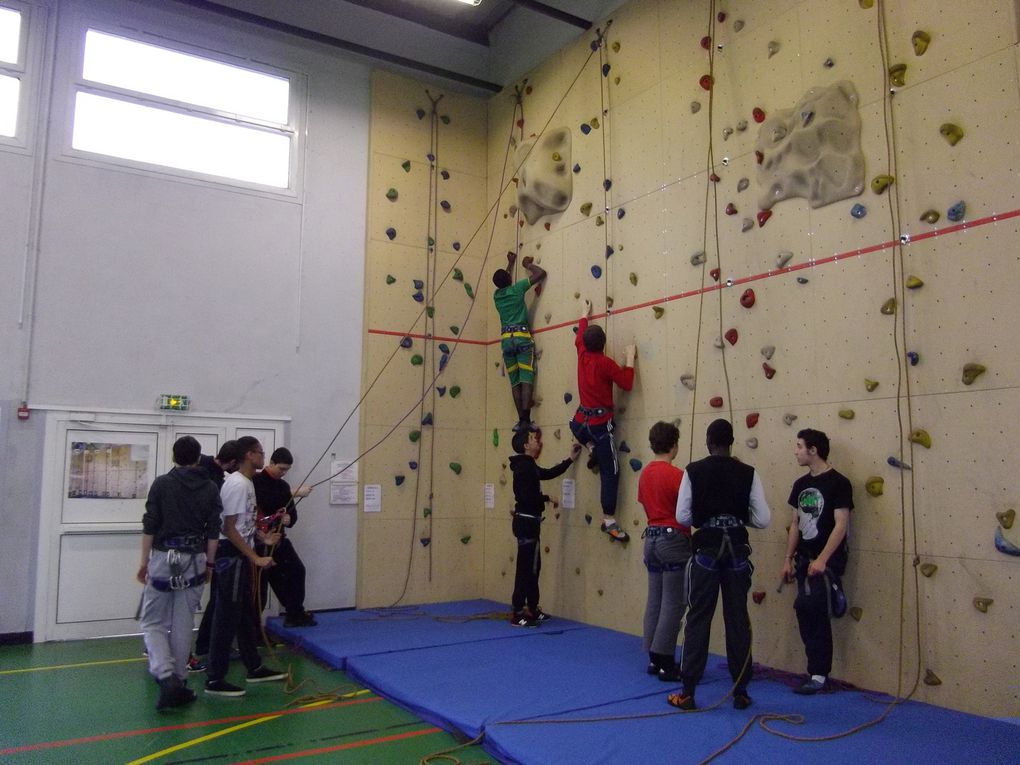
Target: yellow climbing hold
{"x":586,"y":209}
{"x":557,"y":157}
{"x":981,"y":604}
{"x":914,"y":283}
{"x":633,"y":278}
{"x":972,"y":371}
{"x":856,"y":612}
{"x":898,"y":75}
{"x":889,"y":307}
{"x":616,"y":46}
{"x":465,"y":539}
{"x":658,"y":310}
{"x":865,"y":4}
{"x":846,"y":414}
{"x":930,"y":216}
{"x":875,"y":486}
{"x":577,"y":570}
{"x":577,"y":296}
{"x":880,"y":183}
{"x":920,"y":436}
{"x":927,"y":569}
{"x":920,"y":40}
{"x":870,"y":385}
{"x":1006,"y":518}
{"x":609,"y":301}
{"x":594,"y":122}
{"x":951,"y":132}
{"x":930,"y":678}
{"x":599,"y":221}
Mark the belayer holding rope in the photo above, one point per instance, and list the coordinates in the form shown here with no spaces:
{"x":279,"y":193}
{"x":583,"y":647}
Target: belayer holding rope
{"x":593,"y":422}
{"x":816,"y":552}
{"x":515,"y":336}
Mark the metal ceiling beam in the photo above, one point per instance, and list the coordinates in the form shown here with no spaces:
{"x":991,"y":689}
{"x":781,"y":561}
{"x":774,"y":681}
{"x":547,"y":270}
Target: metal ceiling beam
{"x":554,"y":13}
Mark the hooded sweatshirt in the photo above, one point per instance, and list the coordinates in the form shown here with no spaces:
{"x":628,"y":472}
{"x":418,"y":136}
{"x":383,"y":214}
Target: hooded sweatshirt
{"x":182,"y":503}
{"x":528,"y":477}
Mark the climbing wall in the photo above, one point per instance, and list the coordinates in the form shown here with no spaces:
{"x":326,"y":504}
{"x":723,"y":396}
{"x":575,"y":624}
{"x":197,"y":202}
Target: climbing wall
{"x":879,"y":318}
{"x":424,"y":352}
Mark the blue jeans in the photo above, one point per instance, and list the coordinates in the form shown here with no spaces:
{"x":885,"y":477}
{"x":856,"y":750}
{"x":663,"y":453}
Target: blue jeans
{"x":605,"y":453}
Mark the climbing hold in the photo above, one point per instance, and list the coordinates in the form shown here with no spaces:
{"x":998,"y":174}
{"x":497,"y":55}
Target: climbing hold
{"x":870,"y":385}
{"x":952,"y":133}
{"x":847,"y":414}
{"x":714,"y":273}
{"x":783,"y":258}
{"x":556,"y":157}
{"x":1006,"y":518}
{"x":568,"y":397}
{"x":695,"y":107}
{"x":920,"y":40}
{"x":706,"y":42}
{"x":620,"y":213}
{"x":623,"y":447}
{"x":398,"y":479}
{"x":1003,"y":545}
{"x":789,"y":418}
{"x":658,"y":310}
{"x":605,"y":69}
{"x":456,"y":246}
{"x":445,"y":205}
{"x":458,"y":275}
{"x":698,"y":259}
{"x":586,"y":209}
{"x":635,"y":464}
{"x":731,"y":209}
{"x":390,"y":278}
{"x":721,"y":17}
{"x":607,"y":184}
{"x":718,"y":343}
{"x":731,"y":336}
{"x":741,"y":126}
{"x":767,"y":351}
{"x":981,"y":604}
{"x":875,"y":486}
{"x":413,"y":465}
{"x":758,"y":114}
{"x":414,"y":435}
{"x":714,"y":178}
{"x":391,"y":195}
{"x":893,"y":462}
{"x":972,"y":371}
{"x":419,"y":284}
{"x":444,"y":348}
{"x":716,"y":402}
{"x":759,"y":157}
{"x":751,"y":419}
{"x":752,"y":443}
{"x":758,"y":597}
{"x":747,"y":299}
{"x":687,"y":381}
{"x":405,"y":342}
{"x":913,"y":283}
{"x":769,"y":371}
{"x":616,"y":46}
{"x":773,"y":48}
{"x":609,"y":301}
{"x":406,"y":164}
{"x":441,"y":389}
{"x":455,"y":329}
{"x":596,"y":271}
{"x":469,"y":290}
{"x":858,"y":211}
{"x":726,"y":133}
{"x":420,"y":112}
{"x":930,"y":678}
{"x":430,"y":157}
{"x":454,"y":391}
{"x":548,"y":316}
{"x":609,"y":251}
{"x":957,"y":212}
{"x":425,"y":541}
{"x":927,"y":569}
{"x":746,"y":225}
{"x":456,"y":467}
{"x":706,"y":81}
{"x":427,"y":419}
{"x":742,"y":184}
{"x":898,"y":75}
{"x":880,"y":183}
{"x":445,"y":174}
{"x":633,"y":278}
{"x":416,"y":360}
{"x":802,"y":280}
{"x":594,"y":122}
{"x":856,"y":611}
{"x":557,"y":434}
{"x":495,"y":436}
{"x":914,"y":358}
{"x":738,"y":25}
{"x":828,"y":63}
{"x":598,"y":220}
{"x":930,"y":216}
{"x":585,"y":128}
{"x":921,"y":437}
{"x":587,"y":519}
{"x":889,"y":307}
{"x":391,"y":233}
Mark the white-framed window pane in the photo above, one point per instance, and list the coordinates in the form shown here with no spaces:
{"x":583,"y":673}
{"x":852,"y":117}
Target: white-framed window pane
{"x":10,"y":35}
{"x":10,"y":88}
{"x":160,"y":137}
{"x":165,"y":73}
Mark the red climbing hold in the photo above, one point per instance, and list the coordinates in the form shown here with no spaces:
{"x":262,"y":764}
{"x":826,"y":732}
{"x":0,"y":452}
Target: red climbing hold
{"x":548,"y":225}
{"x":706,"y":81}
{"x":731,"y":336}
{"x":721,"y":17}
{"x":731,"y":209}
{"x":716,"y":402}
{"x":752,"y":419}
{"x":759,"y":156}
{"x":758,"y":596}
{"x":714,"y":273}
{"x":758,"y":114}
{"x":769,"y":371}
{"x":763,"y":217}
{"x":747,"y":299}
{"x":706,"y":42}
{"x":714,"y":178}
{"x":520,"y":123}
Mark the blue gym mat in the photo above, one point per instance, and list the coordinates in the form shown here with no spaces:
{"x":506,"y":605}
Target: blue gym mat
{"x":480,"y":675}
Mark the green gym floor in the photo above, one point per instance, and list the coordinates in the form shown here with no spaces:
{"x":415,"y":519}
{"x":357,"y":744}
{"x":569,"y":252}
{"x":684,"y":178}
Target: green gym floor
{"x":92,"y":701}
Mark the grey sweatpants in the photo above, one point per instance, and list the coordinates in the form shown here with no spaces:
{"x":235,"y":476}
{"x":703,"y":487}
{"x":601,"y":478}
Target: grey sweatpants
{"x":666,"y":557}
{"x":168,"y":618}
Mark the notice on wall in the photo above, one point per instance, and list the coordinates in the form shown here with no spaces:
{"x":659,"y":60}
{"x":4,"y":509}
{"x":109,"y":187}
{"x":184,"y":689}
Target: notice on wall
{"x":489,"y":495}
{"x":567,"y":493}
{"x":343,"y":485}
{"x":373,"y":498}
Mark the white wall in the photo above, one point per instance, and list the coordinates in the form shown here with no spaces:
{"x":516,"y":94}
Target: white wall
{"x":145,"y":283}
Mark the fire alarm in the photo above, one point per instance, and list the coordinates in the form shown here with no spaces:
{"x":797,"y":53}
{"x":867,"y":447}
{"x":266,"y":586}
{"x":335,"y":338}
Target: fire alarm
{"x":23,"y":411}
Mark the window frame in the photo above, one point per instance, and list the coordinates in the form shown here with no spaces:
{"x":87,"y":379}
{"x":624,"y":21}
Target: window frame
{"x":76,"y":83}
{"x":23,"y":71}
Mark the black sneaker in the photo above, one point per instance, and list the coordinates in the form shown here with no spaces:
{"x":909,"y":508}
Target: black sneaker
{"x":670,"y":674}
{"x":741,"y":700}
{"x":652,"y":668}
{"x":303,"y":619}
{"x":223,"y":688}
{"x":538,"y":615}
{"x":195,"y":664}
{"x":521,"y":620}
{"x":265,"y":675}
{"x":169,"y":692}
{"x":809,"y":687}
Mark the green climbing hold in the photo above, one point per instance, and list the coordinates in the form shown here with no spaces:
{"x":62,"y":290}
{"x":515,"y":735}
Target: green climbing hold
{"x":951,"y":132}
{"x":898,"y":75}
{"x":927,"y":569}
{"x":875,"y":486}
{"x":586,"y":209}
{"x":930,"y":216}
{"x":430,"y":311}
{"x":920,"y":436}
{"x":431,"y":241}
{"x":455,"y":467}
{"x":920,"y":40}
{"x":417,"y":360}
{"x":972,"y":371}
{"x":495,"y":436}
{"x":633,"y":278}
{"x":454,"y":391}
{"x":1006,"y":518}
{"x":390,"y":278}
{"x":392,"y":195}
{"x":406,"y":165}
{"x":870,"y":385}
{"x":889,"y":307}
{"x":458,"y":275}
{"x":469,"y":290}
{"x":846,"y":414}
{"x":465,"y":539}
{"x":880,"y":183}
{"x":445,"y":119}
{"x":414,"y":435}
{"x":455,"y":329}
{"x":426,"y":512}
{"x":658,"y":310}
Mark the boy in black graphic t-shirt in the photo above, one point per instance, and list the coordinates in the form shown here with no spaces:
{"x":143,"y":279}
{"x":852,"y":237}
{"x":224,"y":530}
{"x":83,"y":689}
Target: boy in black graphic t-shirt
{"x":816,"y":551}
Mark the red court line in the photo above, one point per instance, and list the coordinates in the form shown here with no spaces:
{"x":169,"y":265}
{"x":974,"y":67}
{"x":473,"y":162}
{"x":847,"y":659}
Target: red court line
{"x":341,"y":747}
{"x":182,"y":726}
{"x":734,"y":282}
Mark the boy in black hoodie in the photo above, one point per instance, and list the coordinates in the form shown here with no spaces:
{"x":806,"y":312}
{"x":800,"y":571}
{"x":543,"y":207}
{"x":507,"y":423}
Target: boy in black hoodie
{"x":529,"y":504}
{"x":180,"y":528}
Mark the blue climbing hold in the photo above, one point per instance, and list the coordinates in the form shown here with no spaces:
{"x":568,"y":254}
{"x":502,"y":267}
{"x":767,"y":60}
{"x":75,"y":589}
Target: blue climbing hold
{"x":605,"y":70}
{"x":914,"y":358}
{"x":444,"y":348}
{"x":577,"y":168}
{"x":441,"y":390}
{"x":957,"y":212}
{"x":607,"y":184}
{"x":443,"y":361}
{"x":418,"y":297}
{"x":420,"y":112}
{"x":594,"y":45}
{"x":635,"y":464}
{"x":456,"y":246}
{"x":445,"y":205}
{"x":623,"y":447}
{"x":568,"y":397}
{"x":427,"y":419}
{"x":585,"y":128}
{"x":596,"y":271}
{"x":898,"y":464}
{"x":445,"y":174}
{"x":620,"y":213}
{"x":419,"y":284}
{"x":430,"y":157}
{"x":609,"y":250}
{"x":587,"y":519}
{"x":398,"y":479}
{"x":1003,"y":545}
{"x":391,"y":233}
{"x":858,"y":211}
{"x":425,"y":541}
{"x":405,"y":342}
{"x":413,"y":465}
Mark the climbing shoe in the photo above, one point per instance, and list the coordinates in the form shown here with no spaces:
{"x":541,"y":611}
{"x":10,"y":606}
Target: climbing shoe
{"x":741,"y":700}
{"x":265,"y":675}
{"x":683,"y":701}
{"x":538,"y":615}
{"x":195,"y":664}
{"x":810,"y":687}
{"x":222,"y":688}
{"x":522,"y":619}
{"x":615,"y":532}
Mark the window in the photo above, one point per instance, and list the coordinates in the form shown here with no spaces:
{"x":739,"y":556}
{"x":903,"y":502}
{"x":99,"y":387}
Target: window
{"x":150,"y":104}
{"x":12,"y":69}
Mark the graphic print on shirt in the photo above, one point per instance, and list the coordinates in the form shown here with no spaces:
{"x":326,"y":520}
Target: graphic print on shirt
{"x":810,"y":504}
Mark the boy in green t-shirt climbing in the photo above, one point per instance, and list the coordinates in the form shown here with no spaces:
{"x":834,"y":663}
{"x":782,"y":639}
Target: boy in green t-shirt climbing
{"x":516,"y":342}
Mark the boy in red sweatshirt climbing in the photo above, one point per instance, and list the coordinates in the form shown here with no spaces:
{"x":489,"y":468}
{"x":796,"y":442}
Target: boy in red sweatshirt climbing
{"x":593,"y":422}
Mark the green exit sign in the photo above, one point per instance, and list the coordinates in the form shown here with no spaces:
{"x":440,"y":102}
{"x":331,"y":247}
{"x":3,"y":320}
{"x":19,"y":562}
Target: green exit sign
{"x":174,"y":402}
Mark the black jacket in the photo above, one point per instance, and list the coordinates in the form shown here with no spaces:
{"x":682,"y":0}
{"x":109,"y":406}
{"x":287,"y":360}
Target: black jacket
{"x":182,"y":503}
{"x":528,"y":477}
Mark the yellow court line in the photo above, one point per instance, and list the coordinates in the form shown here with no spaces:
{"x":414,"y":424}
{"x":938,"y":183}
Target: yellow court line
{"x":211,"y":736}
{"x":71,"y":666}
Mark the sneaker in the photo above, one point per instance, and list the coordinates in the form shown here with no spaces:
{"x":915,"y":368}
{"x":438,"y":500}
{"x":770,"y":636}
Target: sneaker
{"x":265,"y":675}
{"x":169,"y":692}
{"x":525,"y":425}
{"x":195,"y":664}
{"x":223,"y":688}
{"x":681,"y":700}
{"x":810,"y":687}
{"x":521,"y":619}
{"x":652,"y":668}
{"x":670,"y":674}
{"x":615,"y":532}
{"x":538,"y":615}
{"x":303,"y":619}
{"x":741,"y":700}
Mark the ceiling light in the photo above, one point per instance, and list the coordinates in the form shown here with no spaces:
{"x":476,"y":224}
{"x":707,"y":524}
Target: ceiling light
{"x":471,"y":2}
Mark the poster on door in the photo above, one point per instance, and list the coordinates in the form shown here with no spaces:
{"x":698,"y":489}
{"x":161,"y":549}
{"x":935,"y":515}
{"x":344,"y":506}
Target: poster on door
{"x":107,"y":475}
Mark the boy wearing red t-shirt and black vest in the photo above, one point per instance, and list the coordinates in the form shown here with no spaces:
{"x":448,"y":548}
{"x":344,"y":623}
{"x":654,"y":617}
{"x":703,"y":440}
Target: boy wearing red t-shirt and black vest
{"x":593,"y":423}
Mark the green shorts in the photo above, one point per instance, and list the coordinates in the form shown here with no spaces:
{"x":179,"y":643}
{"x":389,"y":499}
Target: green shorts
{"x":518,"y":355}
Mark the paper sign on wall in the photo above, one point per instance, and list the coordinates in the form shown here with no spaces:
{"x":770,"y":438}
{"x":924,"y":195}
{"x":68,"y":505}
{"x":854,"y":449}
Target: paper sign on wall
{"x":567,"y":494}
{"x":373,"y":498}
{"x":490,"y":496}
{"x":343,"y":486}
